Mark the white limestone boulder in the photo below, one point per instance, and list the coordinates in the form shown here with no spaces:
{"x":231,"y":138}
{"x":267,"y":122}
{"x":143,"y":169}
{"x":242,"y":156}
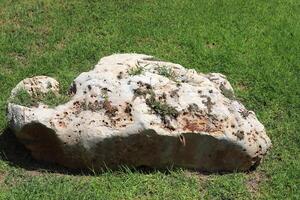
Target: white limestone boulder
{"x":137,"y":111}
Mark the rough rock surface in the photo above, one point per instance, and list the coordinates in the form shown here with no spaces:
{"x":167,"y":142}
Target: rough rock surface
{"x":35,"y":85}
{"x":134,"y":110}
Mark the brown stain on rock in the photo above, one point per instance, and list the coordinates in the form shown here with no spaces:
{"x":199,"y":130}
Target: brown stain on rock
{"x":200,"y":124}
{"x":195,"y":125}
{"x":62,"y":124}
{"x":110,"y":109}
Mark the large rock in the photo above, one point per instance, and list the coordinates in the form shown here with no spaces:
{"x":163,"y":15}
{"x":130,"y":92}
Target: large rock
{"x":135,"y":110}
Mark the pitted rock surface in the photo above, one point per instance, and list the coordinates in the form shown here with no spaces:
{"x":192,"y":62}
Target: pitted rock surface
{"x":137,"y":111}
{"x":37,"y":84}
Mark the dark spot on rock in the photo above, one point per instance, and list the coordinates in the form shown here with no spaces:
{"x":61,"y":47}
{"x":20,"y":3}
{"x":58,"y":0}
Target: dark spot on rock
{"x":105,"y":90}
{"x":193,"y":107}
{"x":73,"y":89}
{"x":245,"y":113}
{"x":240,"y":135}
{"x":110,"y":109}
{"x":174,"y":93}
{"x":120,"y":75}
{"x":76,"y":103}
{"x":148,"y":86}
{"x":128,"y":109}
{"x":209,"y":104}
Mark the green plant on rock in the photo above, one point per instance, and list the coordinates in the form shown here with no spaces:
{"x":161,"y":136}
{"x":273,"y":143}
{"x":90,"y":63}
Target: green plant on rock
{"x":161,"y":108}
{"x":51,"y":99}
{"x":227,"y":93}
{"x":22,"y":97}
{"x":167,"y":72}
{"x":137,"y":70}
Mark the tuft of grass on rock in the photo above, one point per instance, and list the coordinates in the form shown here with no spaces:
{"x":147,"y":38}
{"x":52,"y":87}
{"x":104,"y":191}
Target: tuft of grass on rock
{"x":137,"y":70}
{"x":22,"y":98}
{"x":51,"y":99}
{"x":167,"y":72}
{"x":227,"y":93}
{"x":161,"y":108}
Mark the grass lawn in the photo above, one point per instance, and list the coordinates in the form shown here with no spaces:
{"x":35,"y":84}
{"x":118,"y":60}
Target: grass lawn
{"x":256,"y":44}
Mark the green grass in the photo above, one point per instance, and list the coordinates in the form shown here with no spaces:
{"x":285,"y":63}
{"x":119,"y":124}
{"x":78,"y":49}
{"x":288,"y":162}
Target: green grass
{"x":51,"y":99}
{"x":137,"y":70}
{"x":23,"y":98}
{"x":254,"y":43}
{"x":167,"y":72}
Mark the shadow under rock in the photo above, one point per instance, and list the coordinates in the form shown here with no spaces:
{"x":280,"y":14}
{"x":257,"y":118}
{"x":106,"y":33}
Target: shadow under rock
{"x":15,"y":154}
